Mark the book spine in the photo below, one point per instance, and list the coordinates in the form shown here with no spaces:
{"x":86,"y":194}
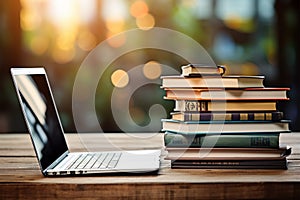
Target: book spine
{"x":221,"y":106}
{"x":234,"y":141}
{"x":191,"y":106}
{"x":229,"y":167}
{"x":269,"y":116}
{"x":229,"y":162}
{"x":245,"y":164}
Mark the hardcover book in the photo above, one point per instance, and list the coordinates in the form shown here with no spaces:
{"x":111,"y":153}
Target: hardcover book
{"x":228,"y":116}
{"x":212,"y":82}
{"x":227,"y":94}
{"x":252,"y":140}
{"x":223,"y":121}
{"x":202,"y":70}
{"x":228,"y":153}
{"x":215,"y":127}
{"x":229,"y":164}
{"x":228,"y":106}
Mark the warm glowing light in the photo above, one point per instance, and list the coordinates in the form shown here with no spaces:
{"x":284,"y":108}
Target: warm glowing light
{"x":120,"y":78}
{"x":86,"y":40}
{"x":152,"y":70}
{"x":39,"y":45}
{"x":66,"y":40}
{"x":29,"y":19}
{"x":145,"y":22}
{"x":117,"y":40}
{"x":239,"y":24}
{"x":114,"y":10}
{"x":67,"y":13}
{"x":115,"y":26}
{"x":63,"y":56}
{"x":63,"y":13}
{"x":139,"y":8}
{"x":57,"y":27}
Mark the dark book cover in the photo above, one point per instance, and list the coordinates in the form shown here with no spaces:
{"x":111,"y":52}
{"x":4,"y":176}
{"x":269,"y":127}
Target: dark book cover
{"x":229,"y":164}
{"x":253,"y":140}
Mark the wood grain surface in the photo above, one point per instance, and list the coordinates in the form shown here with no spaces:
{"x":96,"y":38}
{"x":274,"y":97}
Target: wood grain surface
{"x":20,"y":176}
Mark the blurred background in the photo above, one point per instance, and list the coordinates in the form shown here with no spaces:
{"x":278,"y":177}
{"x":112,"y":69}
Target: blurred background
{"x":250,"y":37}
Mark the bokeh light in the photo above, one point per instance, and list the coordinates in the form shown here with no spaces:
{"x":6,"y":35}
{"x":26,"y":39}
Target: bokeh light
{"x":115,"y":26}
{"x":239,"y":24}
{"x":60,"y":33}
{"x":65,"y":41}
{"x":120,"y":78}
{"x":114,"y":10}
{"x":145,"y":22}
{"x":39,"y":45}
{"x":152,"y":70}
{"x":116,"y":41}
{"x":63,"y":56}
{"x":63,"y":14}
{"x":29,"y":19}
{"x":86,"y":40}
{"x":139,"y":8}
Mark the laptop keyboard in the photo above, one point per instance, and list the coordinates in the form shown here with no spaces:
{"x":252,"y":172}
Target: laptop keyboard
{"x":95,"y":161}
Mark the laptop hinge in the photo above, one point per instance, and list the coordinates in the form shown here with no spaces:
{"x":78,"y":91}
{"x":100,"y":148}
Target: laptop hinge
{"x":58,"y":160}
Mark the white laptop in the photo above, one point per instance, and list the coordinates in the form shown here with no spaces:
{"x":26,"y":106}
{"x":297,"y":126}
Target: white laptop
{"x":48,"y":139}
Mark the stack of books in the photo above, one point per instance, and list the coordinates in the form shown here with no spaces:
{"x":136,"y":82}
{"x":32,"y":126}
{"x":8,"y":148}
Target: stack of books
{"x":223,"y":121}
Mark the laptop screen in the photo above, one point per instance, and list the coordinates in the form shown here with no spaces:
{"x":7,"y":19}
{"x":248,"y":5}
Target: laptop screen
{"x":41,"y":116}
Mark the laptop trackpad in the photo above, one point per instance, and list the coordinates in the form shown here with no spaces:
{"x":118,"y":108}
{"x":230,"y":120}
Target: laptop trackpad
{"x":140,"y":160}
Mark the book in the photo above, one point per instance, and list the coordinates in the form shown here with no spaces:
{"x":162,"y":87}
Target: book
{"x":252,"y":140}
{"x":229,"y":164}
{"x":212,"y":82}
{"x":228,"y":116}
{"x":228,"y":106}
{"x":228,"y":153}
{"x":216,"y":127}
{"x":274,"y":94}
{"x":202,"y":70}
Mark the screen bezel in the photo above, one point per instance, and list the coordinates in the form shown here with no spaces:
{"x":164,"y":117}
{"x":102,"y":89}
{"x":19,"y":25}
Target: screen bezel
{"x":30,"y":72}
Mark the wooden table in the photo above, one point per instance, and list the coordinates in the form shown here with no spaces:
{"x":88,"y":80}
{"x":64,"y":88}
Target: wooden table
{"x":20,"y":177}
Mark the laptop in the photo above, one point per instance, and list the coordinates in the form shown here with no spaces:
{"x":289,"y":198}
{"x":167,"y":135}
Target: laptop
{"x":47,"y":135}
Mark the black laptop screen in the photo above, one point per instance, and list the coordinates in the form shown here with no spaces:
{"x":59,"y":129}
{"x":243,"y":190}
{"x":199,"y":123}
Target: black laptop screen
{"x":41,"y":117}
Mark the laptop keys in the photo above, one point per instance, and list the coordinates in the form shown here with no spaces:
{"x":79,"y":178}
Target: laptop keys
{"x":77,"y":162}
{"x":114,"y":161}
{"x":99,"y":161}
{"x":84,"y":162}
{"x":94,"y":161}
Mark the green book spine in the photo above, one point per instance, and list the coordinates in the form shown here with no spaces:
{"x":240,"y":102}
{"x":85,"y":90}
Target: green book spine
{"x":270,"y":140}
